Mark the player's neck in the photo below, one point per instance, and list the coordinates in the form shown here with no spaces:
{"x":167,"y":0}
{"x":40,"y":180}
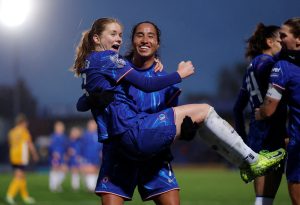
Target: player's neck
{"x":143,"y":62}
{"x":268,"y":52}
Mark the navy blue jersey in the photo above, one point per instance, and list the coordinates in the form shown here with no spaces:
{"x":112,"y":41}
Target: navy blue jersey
{"x":90,"y":148}
{"x":74,"y":152}
{"x":262,"y":134}
{"x":58,"y":146}
{"x":104,"y":71}
{"x":286,"y":77}
{"x":256,"y":79}
{"x":152,"y":102}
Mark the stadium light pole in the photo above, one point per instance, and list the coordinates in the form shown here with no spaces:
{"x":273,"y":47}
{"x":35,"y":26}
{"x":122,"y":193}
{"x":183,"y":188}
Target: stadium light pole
{"x":13,"y":13}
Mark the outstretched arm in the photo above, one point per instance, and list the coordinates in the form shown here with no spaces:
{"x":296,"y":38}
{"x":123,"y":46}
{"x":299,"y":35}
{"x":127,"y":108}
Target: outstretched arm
{"x":151,"y":84}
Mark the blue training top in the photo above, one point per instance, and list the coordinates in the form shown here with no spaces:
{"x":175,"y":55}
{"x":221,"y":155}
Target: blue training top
{"x":104,"y":71}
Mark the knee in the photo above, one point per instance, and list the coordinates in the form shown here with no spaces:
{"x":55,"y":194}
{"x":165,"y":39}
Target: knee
{"x":207,"y":107}
{"x":19,"y":174}
{"x":205,"y":110}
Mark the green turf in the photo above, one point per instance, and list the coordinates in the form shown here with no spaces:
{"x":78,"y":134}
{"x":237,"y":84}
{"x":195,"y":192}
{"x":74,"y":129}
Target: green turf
{"x":198,"y":187}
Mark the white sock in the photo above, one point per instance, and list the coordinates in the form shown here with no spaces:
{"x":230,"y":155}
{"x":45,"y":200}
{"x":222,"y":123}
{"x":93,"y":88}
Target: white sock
{"x":260,"y":200}
{"x":226,"y":141}
{"x":75,"y":181}
{"x":53,"y":179}
{"x":91,"y":181}
{"x":61,"y":178}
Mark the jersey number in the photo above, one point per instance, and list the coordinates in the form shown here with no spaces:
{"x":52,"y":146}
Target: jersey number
{"x":83,"y":76}
{"x":252,"y":88}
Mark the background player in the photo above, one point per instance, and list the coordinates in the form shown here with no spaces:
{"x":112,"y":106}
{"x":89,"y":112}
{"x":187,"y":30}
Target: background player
{"x":91,"y":153}
{"x":20,"y":146}
{"x":57,"y":154}
{"x":74,"y":156}
{"x":268,"y":134}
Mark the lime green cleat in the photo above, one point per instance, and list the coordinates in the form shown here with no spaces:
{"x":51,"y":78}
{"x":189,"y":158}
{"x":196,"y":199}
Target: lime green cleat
{"x":267,"y":161}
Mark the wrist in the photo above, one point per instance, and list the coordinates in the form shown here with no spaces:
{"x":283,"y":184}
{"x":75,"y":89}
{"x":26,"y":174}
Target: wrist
{"x":179,"y":74}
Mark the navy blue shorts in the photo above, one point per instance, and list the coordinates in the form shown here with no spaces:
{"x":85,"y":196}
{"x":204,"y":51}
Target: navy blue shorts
{"x":120,"y":175}
{"x":96,"y":161}
{"x":152,"y":134}
{"x":293,"y":162}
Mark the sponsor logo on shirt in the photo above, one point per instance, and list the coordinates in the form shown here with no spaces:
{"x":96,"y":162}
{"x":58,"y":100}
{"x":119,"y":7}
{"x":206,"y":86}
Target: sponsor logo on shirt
{"x":105,"y":180}
{"x":162,"y":117}
{"x":275,"y":72}
{"x":120,"y":63}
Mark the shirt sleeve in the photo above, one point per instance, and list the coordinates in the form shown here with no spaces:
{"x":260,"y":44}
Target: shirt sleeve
{"x":111,"y":65}
{"x":279,"y":75}
{"x":151,"y":84}
{"x":83,"y":104}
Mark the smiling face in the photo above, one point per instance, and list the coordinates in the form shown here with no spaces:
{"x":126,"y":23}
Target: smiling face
{"x":145,"y":41}
{"x":110,"y":38}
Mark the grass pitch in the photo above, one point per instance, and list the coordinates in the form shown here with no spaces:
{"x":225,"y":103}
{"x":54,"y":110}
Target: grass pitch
{"x":199,"y":186}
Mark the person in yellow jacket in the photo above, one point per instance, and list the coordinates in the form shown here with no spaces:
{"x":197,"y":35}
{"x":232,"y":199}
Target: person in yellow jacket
{"x":20,"y":146}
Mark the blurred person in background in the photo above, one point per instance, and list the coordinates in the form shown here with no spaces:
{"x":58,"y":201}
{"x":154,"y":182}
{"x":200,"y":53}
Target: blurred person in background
{"x":57,"y":154}
{"x":74,"y":156}
{"x":269,"y":134}
{"x":285,"y":84}
{"x":20,"y":148}
{"x":91,"y":153}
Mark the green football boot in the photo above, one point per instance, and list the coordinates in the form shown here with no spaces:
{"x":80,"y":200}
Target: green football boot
{"x":267,"y":162}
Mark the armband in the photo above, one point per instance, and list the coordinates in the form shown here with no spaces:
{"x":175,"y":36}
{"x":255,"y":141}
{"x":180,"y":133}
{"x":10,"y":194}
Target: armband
{"x":273,"y":93}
